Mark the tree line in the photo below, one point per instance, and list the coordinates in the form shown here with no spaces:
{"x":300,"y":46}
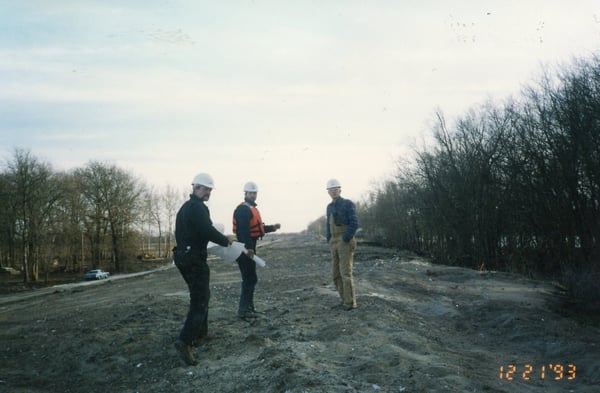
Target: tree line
{"x":511,"y":186}
{"x":95,"y":216}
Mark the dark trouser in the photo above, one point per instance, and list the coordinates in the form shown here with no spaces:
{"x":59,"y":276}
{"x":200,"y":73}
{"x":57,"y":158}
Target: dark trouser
{"x":197,"y":277}
{"x":249,"y":279}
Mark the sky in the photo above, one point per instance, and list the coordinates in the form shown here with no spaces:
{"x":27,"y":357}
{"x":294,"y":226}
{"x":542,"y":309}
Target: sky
{"x":287,"y":94}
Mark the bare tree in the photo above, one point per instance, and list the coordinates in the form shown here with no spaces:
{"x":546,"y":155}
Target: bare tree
{"x":33,"y":194}
{"x":112,"y":196}
{"x":171,"y":201}
{"x":72,"y":211}
{"x":513,"y":186}
{"x":8,"y":220}
{"x":152,"y":215}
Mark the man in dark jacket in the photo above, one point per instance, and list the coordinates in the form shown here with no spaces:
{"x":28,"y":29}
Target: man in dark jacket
{"x":342,"y":224}
{"x":248,"y":226}
{"x":193,"y":231}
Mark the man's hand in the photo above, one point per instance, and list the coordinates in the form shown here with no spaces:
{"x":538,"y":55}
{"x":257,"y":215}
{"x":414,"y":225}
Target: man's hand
{"x":277,"y":226}
{"x":250,"y":253}
{"x":231,"y":239}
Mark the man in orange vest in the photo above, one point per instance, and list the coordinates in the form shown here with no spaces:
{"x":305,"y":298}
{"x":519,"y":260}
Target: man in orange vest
{"x":248,"y":227}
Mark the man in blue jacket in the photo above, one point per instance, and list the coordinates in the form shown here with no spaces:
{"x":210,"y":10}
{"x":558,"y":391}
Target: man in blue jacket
{"x":193,"y":231}
{"x":342,"y":224}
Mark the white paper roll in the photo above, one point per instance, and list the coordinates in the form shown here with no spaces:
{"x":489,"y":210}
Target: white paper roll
{"x":232,"y":252}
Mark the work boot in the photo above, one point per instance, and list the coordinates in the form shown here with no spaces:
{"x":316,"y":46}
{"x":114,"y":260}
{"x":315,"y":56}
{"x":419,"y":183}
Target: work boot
{"x":204,"y":339}
{"x":185,"y":353}
{"x":254,"y":311}
{"x":247,"y":315}
{"x":248,"y":312}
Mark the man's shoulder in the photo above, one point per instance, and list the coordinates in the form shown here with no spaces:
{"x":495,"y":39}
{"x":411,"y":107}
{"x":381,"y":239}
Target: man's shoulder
{"x":197,"y":204}
{"x":192,"y":207}
{"x":347,"y":205}
{"x":242,"y":208}
{"x":346,"y":202}
{"x":186,"y":205}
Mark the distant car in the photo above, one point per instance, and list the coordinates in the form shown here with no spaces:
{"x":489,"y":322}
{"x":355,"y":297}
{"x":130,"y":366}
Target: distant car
{"x":96,"y":274}
{"x":8,"y":270}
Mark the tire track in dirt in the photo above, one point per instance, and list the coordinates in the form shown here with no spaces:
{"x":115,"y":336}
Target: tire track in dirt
{"x":419,"y":328}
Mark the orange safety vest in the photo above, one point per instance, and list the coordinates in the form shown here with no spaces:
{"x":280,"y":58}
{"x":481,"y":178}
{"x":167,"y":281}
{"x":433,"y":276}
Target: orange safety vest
{"x":257,"y":228}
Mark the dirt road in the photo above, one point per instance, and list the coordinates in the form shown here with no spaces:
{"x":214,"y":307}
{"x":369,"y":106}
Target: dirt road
{"x":418,"y":328}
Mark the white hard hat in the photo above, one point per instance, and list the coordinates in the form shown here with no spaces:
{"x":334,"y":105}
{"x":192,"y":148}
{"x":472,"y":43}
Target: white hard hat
{"x":333,"y":183}
{"x":250,"y":187}
{"x":203,"y":179}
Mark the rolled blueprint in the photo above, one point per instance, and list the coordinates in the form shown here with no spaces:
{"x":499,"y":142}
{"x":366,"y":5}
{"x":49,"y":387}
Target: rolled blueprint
{"x":232,"y":252}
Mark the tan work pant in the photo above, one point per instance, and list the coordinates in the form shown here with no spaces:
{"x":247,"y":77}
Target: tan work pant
{"x":342,"y":255}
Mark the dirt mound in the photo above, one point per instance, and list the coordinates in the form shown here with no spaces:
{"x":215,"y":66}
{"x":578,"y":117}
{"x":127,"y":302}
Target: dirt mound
{"x":419,"y":328}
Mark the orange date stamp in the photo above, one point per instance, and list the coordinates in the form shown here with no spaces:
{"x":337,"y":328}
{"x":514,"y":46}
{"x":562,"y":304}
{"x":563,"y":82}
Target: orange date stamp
{"x":528,"y":372}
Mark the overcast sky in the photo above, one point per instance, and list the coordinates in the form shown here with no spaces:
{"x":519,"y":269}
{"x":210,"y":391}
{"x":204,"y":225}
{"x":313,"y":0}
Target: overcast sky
{"x":285,"y":93}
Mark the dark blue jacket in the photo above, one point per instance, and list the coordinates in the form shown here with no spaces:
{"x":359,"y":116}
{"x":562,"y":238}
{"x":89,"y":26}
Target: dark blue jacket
{"x":194,"y":228}
{"x":242,"y":215}
{"x":344,"y":213}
